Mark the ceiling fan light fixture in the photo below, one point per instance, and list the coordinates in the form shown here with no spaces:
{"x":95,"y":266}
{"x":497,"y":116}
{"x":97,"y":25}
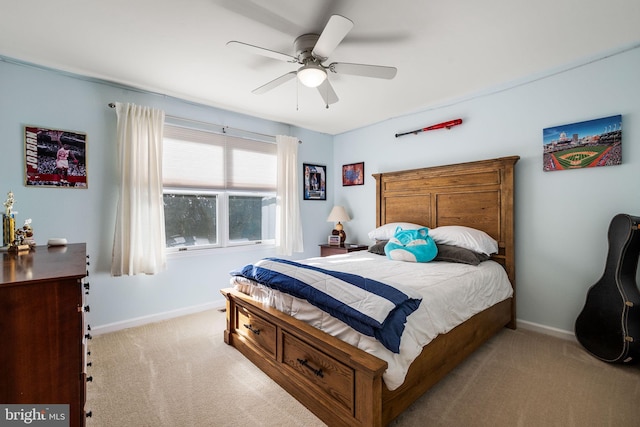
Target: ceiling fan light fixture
{"x":311,"y":74}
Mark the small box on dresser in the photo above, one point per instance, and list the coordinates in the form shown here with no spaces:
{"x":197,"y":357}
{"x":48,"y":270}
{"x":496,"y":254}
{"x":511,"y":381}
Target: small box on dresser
{"x":41,"y":319}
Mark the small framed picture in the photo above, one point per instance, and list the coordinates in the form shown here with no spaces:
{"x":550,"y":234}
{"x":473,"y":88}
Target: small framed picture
{"x":314,"y":182}
{"x":353,"y":174}
{"x":334,"y":240}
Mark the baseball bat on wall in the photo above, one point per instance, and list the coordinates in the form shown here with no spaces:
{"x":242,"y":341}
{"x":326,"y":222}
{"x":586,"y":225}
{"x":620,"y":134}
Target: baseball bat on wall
{"x":447,"y":125}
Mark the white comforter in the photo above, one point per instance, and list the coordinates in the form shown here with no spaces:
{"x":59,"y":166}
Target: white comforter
{"x":452,"y":293}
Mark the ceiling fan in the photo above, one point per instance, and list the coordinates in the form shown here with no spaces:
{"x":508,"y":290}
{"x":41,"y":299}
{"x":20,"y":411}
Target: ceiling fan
{"x":312,"y":51}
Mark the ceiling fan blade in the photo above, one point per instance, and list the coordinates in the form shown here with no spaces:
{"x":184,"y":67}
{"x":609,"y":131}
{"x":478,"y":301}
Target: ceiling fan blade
{"x":376,"y":71}
{"x":263,"y":15}
{"x":262,"y":51}
{"x":327,"y":93}
{"x":333,"y":33}
{"x":275,"y":83}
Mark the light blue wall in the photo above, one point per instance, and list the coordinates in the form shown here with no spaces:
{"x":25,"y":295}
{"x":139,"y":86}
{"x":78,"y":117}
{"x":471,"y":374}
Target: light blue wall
{"x":562,"y":217}
{"x":34,"y":96}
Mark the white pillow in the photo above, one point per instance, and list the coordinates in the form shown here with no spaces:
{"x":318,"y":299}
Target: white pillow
{"x":386,"y":232}
{"x":465,"y":237}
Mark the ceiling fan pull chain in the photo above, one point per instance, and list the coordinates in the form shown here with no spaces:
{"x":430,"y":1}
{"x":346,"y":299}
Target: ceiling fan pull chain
{"x":327,"y":97}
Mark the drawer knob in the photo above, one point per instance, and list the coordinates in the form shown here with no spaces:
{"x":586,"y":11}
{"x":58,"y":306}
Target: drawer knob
{"x":305,"y":363}
{"x":252,"y":329}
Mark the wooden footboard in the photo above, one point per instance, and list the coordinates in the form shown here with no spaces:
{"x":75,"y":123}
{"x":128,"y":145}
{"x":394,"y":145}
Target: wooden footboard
{"x":339,"y":383}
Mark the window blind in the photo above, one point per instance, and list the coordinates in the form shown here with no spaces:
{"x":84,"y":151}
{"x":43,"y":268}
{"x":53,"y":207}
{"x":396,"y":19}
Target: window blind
{"x":199,"y":159}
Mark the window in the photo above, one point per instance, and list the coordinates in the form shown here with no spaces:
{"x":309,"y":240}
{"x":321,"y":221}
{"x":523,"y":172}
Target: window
{"x":190,"y":219}
{"x":252,"y":218}
{"x":219,"y":190}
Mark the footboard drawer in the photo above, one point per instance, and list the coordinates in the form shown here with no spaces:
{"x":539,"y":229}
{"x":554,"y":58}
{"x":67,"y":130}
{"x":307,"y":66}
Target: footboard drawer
{"x":332,"y":378}
{"x":256,"y":329}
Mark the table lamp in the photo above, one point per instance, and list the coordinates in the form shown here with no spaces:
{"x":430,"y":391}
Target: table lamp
{"x":339,"y":214}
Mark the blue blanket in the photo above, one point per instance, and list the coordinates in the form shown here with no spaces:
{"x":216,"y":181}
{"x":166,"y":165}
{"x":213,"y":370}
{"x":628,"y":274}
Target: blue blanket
{"x":370,"y":307}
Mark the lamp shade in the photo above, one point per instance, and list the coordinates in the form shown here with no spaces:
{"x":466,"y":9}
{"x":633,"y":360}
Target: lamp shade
{"x":338,"y":214}
{"x":311,"y":74}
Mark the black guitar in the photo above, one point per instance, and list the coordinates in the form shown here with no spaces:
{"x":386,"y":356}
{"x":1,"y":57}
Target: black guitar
{"x":609,"y":324}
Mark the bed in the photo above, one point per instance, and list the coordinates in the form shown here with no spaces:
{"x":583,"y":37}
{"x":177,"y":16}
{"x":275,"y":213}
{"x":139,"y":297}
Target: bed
{"x":345,"y":385}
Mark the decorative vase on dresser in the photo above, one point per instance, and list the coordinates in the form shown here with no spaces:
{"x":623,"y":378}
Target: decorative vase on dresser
{"x":42,"y":338}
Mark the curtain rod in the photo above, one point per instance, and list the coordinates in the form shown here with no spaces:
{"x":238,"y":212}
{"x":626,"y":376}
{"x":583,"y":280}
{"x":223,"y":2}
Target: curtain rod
{"x":224,"y":128}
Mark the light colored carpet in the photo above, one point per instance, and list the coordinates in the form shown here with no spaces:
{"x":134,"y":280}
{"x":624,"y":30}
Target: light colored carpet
{"x":180,"y":372}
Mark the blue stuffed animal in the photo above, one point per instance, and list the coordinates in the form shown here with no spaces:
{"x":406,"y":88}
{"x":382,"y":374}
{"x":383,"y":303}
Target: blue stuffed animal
{"x":411,"y":245}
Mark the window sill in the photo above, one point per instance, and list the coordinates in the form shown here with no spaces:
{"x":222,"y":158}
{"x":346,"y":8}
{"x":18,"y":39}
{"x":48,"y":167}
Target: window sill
{"x":191,"y":251}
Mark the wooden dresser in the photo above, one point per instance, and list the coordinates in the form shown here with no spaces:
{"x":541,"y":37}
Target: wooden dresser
{"x":42,"y":337}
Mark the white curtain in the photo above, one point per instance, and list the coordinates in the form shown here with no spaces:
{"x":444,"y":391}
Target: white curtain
{"x":288,"y":221}
{"x":139,"y":241}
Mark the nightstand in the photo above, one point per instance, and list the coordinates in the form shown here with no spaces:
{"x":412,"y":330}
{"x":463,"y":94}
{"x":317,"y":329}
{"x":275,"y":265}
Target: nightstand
{"x":326,"y":249}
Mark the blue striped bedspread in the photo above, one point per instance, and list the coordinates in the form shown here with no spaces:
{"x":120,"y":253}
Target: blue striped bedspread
{"x":371,"y":307}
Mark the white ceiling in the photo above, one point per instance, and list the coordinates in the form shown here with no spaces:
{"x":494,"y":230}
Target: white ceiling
{"x":443,"y":49}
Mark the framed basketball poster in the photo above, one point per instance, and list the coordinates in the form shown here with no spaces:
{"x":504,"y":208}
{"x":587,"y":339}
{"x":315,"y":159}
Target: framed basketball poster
{"x":55,"y":158}
{"x":314,"y":182}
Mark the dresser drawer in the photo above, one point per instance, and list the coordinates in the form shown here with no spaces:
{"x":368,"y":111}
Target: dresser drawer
{"x":256,"y":330}
{"x":332,"y":378}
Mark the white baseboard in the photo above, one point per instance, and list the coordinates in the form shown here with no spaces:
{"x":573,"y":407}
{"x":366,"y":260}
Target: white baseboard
{"x":547,"y":330}
{"x":139,"y":321}
{"x":156,"y":317}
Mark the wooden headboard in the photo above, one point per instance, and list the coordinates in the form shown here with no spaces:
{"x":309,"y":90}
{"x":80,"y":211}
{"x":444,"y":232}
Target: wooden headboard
{"x":475,"y":194}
